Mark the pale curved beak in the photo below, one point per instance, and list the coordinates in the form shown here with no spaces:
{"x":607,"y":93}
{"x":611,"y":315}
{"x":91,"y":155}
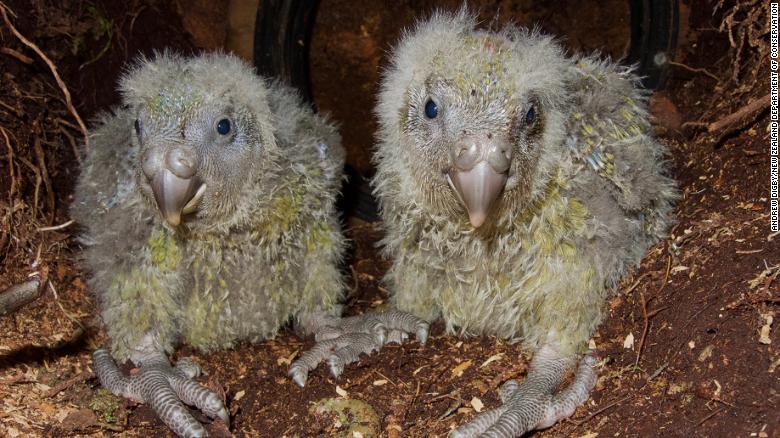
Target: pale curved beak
{"x":176,"y":196}
{"x":172,"y":175}
{"x":478,"y":189}
{"x":480,"y":167}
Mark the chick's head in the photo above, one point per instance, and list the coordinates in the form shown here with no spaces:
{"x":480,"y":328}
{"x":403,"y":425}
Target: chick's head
{"x":203,"y":128}
{"x":468,"y":117}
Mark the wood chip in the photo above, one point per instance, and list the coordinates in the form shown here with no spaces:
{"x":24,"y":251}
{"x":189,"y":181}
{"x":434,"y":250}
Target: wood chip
{"x":287,"y":360}
{"x":492,"y":359}
{"x":341,"y":391}
{"x":706,"y":353}
{"x":477,"y":404}
{"x":463,"y":366}
{"x":762,"y":277}
{"x":239,"y":395}
{"x":418,"y":370}
{"x":676,"y":388}
{"x":380,"y":382}
{"x":628,"y":343}
{"x":763,"y":333}
{"x":773,"y":366}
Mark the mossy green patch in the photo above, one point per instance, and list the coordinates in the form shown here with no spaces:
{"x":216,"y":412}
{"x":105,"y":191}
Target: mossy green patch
{"x":105,"y":405}
{"x":353,"y":417}
{"x":164,"y":252}
{"x":205,"y":306}
{"x":559,"y":217}
{"x":319,"y":237}
{"x":134,"y":287}
{"x":286,"y":209}
{"x":484,"y":75}
{"x":203,"y":330}
{"x":146,"y":297}
{"x":174,"y":101}
{"x":284,"y":212}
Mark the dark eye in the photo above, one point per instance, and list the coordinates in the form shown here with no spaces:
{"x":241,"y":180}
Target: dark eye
{"x":223,"y":127}
{"x":431,"y":110}
{"x":530,"y":116}
{"x":137,"y":125}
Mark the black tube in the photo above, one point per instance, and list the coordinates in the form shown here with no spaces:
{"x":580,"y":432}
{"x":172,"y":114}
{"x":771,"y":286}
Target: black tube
{"x":654,"y":26}
{"x":282,"y":36}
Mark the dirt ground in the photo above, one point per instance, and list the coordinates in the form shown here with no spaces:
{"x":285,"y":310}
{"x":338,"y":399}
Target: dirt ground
{"x":688,"y":347}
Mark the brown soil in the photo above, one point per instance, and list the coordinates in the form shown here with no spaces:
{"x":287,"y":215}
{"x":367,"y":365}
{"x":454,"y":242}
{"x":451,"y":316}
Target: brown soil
{"x":704,"y":294}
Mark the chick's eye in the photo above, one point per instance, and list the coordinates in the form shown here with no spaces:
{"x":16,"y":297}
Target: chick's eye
{"x":530,"y":116}
{"x":137,"y":125}
{"x":431,"y":109}
{"x":223,"y":127}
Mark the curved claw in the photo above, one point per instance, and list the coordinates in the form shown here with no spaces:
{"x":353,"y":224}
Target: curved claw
{"x":339,"y":352}
{"x":188,"y":367}
{"x":507,"y":390}
{"x":299,"y":373}
{"x":531,"y":405}
{"x":340,"y":341}
{"x":166,"y":389}
{"x":566,"y":401}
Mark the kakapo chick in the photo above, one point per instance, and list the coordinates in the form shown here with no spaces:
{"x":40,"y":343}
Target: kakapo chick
{"x":208,"y":203}
{"x":516,"y":185}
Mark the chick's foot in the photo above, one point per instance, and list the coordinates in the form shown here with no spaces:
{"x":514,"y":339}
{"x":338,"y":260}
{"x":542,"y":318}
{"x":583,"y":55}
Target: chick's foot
{"x":532,"y":404}
{"x":341,"y":340}
{"x":165,"y":388}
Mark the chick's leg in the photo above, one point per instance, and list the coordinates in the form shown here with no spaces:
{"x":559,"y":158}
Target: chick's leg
{"x":341,"y":340}
{"x":535,"y":404}
{"x":165,"y":388}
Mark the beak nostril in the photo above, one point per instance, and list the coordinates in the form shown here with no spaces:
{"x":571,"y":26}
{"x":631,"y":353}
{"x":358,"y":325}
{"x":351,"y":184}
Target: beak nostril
{"x":182,"y":162}
{"x":466,"y":154}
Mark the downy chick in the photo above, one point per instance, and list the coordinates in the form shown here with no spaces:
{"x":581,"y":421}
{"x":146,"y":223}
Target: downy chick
{"x":208,"y":203}
{"x":517,"y":185}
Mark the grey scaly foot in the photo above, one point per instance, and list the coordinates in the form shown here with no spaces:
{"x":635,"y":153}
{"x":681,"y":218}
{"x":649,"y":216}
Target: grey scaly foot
{"x":165,"y":388}
{"x":534,"y":404}
{"x":566,"y":401}
{"x":341,"y":340}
